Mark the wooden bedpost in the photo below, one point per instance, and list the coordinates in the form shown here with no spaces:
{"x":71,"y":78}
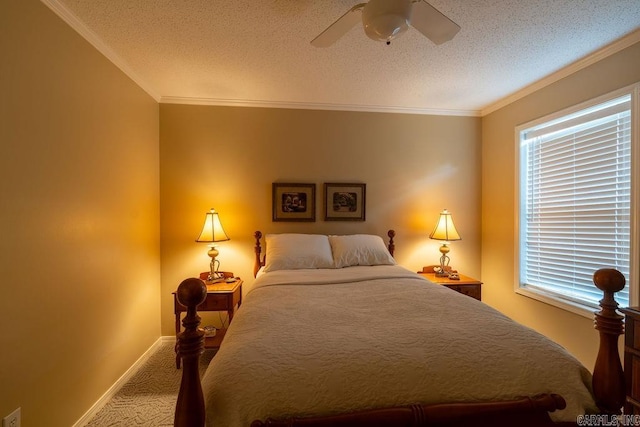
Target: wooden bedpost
{"x":392,"y":245}
{"x":190,"y":405}
{"x":258,"y":262}
{"x":608,"y":377}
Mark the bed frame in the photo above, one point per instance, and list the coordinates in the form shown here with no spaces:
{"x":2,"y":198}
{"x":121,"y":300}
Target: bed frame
{"x":608,"y":379}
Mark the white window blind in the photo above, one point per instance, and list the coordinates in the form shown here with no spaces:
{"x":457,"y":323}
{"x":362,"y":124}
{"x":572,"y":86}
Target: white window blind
{"x":575,"y":202}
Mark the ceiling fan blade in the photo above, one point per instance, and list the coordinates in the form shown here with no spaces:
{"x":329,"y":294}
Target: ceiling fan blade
{"x":340,"y":27}
{"x":432,"y":23}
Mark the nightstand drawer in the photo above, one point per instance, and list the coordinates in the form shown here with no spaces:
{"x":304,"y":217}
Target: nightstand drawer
{"x":470,"y":290}
{"x":216,"y":303}
{"x":634,"y":388}
{"x":633,"y":340}
{"x":465,"y":285}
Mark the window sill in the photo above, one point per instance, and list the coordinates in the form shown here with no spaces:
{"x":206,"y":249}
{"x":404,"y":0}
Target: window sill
{"x":573,"y":307}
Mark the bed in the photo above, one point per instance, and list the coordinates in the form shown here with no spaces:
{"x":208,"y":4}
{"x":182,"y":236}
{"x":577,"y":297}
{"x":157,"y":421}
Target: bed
{"x":334,"y":332}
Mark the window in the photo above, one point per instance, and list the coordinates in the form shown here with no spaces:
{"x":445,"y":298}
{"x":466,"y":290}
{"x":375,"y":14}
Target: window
{"x":575,"y":195}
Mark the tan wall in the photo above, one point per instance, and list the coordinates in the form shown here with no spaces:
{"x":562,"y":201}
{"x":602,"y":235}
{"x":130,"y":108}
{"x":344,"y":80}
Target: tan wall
{"x":79,"y":253}
{"x":573,"y":331}
{"x":227,"y":158}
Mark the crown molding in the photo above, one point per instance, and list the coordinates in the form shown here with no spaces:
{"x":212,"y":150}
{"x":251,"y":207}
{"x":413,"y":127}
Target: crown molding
{"x":612,"y":48}
{"x":74,"y":22}
{"x":315,"y":106}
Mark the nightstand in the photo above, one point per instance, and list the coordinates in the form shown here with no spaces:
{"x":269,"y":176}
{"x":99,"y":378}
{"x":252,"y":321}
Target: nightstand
{"x":466,"y":285}
{"x":632,"y":359}
{"x":221,"y":296}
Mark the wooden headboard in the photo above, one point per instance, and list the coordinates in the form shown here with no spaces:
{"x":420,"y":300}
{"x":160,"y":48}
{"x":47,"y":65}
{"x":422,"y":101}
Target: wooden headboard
{"x":260,"y":259}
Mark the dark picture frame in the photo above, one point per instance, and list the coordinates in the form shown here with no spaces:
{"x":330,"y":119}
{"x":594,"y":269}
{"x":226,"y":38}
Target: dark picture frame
{"x":294,"y":202}
{"x":344,"y":201}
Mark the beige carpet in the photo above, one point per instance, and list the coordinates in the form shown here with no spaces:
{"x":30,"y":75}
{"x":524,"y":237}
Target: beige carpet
{"x":149,"y":398}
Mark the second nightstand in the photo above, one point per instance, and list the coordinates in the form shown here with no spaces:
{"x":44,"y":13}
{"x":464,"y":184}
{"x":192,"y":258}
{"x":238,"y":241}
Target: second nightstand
{"x":632,"y":359}
{"x":221,"y":296}
{"x":466,"y":285}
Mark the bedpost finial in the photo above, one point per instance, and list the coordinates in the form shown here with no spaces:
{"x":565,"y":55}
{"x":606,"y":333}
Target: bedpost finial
{"x":191,"y":292}
{"x":609,"y":280}
{"x":257,"y":235}
{"x":608,"y":320}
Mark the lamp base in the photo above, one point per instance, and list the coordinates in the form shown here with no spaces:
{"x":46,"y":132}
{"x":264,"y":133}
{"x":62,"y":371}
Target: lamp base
{"x":444,"y":270}
{"x":214,"y":275}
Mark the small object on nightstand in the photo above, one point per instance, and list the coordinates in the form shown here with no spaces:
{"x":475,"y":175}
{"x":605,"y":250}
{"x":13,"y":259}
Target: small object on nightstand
{"x":453,"y":280}
{"x":209,"y":331}
{"x":230,"y":280}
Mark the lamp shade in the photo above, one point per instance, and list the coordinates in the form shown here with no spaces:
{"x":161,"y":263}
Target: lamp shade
{"x":212,"y":230}
{"x":445,"y":230}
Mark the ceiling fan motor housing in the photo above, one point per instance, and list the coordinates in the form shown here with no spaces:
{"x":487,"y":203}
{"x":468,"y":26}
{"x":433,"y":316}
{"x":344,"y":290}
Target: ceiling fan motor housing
{"x":384,"y":20}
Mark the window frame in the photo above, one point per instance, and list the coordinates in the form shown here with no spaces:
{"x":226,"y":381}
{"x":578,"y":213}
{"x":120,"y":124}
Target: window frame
{"x":632,"y":282}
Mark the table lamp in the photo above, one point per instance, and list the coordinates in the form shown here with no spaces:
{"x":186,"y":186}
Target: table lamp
{"x":446,"y":232}
{"x":212,"y":232}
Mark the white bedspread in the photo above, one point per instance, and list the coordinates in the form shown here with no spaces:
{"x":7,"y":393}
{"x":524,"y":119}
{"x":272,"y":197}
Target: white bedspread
{"x":319,"y":342}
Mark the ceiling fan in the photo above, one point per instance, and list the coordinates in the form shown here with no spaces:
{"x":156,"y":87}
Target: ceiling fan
{"x":384,"y":20}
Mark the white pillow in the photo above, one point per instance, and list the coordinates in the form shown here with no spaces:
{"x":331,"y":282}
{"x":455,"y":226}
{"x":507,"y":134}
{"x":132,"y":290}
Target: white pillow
{"x":297,"y":251}
{"x":359,"y":249}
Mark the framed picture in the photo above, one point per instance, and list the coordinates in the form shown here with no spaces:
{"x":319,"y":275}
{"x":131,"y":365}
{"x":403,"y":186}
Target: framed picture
{"x":294,"y":202}
{"x":344,"y":202}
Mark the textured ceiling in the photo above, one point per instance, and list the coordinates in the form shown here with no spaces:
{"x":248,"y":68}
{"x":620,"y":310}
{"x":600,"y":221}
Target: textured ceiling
{"x":240,"y":52}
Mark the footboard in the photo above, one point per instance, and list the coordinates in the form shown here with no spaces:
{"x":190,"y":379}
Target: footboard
{"x":608,"y":379}
{"x":525,"y":412}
